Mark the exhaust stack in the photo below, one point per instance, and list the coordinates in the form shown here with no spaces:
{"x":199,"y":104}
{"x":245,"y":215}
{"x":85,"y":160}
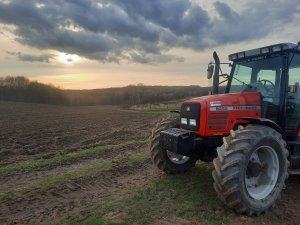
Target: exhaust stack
{"x":215,"y":88}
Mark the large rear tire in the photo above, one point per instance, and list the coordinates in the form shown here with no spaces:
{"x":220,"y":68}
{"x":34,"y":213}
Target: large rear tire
{"x":251,"y":169}
{"x":165,"y":160}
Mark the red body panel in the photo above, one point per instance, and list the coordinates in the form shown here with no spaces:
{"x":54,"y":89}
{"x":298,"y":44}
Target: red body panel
{"x":219,"y":113}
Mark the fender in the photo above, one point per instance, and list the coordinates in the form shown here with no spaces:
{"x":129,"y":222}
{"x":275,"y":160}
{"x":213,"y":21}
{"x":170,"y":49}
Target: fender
{"x":265,"y":122}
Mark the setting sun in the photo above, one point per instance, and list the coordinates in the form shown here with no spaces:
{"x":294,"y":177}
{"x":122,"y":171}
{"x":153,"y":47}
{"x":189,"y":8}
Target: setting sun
{"x":68,"y":58}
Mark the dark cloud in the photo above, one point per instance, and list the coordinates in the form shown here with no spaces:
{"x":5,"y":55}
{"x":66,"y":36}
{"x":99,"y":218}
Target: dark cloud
{"x":153,"y":59}
{"x":31,"y":58}
{"x":226,"y":12}
{"x":259,"y":19}
{"x":139,"y":31}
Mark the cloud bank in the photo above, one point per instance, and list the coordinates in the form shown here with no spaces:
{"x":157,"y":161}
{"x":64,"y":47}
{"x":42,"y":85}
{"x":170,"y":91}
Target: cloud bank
{"x":139,"y":31}
{"x":31,"y":58}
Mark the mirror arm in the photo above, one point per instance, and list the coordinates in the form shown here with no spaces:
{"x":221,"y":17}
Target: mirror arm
{"x":224,"y":75}
{"x":223,"y":81}
{"x":221,"y":63}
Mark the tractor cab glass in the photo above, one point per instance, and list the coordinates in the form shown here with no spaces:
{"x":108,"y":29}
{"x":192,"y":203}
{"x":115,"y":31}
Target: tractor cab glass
{"x":261,"y":76}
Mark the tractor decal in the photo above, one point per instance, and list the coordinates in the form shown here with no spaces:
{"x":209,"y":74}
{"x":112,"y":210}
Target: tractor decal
{"x":231,"y":108}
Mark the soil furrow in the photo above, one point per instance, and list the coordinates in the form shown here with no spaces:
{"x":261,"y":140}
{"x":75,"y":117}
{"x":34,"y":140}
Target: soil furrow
{"x":31,"y":131}
{"x":21,"y":178}
{"x":37,"y":207}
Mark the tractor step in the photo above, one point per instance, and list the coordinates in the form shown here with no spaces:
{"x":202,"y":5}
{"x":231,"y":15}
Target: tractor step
{"x":295,"y":162}
{"x":294,"y":143}
{"x":294,"y":171}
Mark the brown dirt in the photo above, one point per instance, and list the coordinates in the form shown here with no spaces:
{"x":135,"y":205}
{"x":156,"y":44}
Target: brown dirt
{"x":31,"y":131}
{"x":34,"y":131}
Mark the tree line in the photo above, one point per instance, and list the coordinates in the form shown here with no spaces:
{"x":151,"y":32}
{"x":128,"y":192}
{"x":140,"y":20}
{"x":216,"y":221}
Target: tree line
{"x":22,"y":89}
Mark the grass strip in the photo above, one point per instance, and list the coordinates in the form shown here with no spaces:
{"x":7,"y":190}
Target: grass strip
{"x":32,"y":164}
{"x":138,"y":157}
{"x":57,"y":179}
{"x":183,"y":198}
{"x":85,"y":171}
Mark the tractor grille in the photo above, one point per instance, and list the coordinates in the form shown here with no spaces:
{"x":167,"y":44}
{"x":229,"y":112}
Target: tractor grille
{"x":189,"y":116}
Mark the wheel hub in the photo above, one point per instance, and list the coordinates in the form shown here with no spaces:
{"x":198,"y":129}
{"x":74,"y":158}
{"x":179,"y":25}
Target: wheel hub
{"x":254,"y":169}
{"x":262,"y":172}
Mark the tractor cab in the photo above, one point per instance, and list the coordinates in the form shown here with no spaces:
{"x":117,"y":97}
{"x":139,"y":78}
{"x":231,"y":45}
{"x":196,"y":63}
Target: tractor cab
{"x":251,"y":132}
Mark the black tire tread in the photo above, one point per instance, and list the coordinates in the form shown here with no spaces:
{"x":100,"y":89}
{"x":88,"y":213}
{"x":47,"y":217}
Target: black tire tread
{"x":156,"y":152}
{"x":228,"y":162}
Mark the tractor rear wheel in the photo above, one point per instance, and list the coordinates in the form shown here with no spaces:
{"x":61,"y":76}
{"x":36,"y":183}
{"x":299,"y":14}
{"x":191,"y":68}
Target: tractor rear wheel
{"x":251,"y":169}
{"x":165,"y":160}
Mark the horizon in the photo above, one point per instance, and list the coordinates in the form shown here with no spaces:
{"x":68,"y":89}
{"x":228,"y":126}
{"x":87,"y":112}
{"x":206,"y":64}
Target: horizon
{"x":121,"y":43}
{"x":124,"y":86}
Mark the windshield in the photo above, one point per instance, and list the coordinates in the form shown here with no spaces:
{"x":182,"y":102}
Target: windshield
{"x":261,"y":76}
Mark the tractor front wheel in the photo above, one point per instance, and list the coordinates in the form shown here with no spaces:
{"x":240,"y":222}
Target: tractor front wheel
{"x":251,"y":169}
{"x":165,"y":160}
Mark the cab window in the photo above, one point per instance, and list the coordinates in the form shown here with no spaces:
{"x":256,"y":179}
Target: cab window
{"x":293,"y":99}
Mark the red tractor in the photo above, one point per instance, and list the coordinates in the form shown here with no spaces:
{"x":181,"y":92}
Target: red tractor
{"x":251,"y":133}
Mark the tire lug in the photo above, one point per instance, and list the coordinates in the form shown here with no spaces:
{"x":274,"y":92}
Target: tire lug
{"x":261,"y":161}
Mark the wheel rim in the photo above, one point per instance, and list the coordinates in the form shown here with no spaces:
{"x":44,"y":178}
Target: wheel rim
{"x":262,"y":172}
{"x":177,"y":158}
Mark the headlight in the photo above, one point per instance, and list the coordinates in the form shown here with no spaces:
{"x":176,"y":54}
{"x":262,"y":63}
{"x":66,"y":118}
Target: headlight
{"x":184,"y":121}
{"x":193,"y":122}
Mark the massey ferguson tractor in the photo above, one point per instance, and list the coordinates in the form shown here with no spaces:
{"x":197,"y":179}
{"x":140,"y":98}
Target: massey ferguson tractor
{"x":251,"y":132}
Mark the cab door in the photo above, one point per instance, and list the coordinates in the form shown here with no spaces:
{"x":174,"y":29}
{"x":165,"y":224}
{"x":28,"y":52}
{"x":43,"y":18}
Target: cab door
{"x":293,"y":98}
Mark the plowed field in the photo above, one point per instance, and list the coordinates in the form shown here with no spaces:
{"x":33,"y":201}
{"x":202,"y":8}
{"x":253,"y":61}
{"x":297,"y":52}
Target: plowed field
{"x":91,"y":165}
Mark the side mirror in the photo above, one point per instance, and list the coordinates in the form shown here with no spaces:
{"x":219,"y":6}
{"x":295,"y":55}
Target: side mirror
{"x":210,"y":70}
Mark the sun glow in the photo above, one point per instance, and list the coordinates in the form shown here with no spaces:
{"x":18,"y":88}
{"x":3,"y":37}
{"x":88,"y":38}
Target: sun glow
{"x":68,"y":58}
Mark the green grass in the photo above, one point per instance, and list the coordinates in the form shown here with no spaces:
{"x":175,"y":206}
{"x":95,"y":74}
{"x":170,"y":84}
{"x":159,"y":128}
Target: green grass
{"x":57,"y":179}
{"x":32,"y":164}
{"x":84,"y":171}
{"x":138,"y":157}
{"x":187,"y":196}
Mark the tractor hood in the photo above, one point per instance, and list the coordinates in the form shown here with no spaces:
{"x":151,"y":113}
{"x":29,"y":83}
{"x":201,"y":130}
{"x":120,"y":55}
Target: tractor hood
{"x":230,"y":99}
{"x":218,"y":114}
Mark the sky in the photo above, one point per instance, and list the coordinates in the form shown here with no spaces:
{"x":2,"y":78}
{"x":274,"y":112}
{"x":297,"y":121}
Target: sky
{"x":87,"y":44}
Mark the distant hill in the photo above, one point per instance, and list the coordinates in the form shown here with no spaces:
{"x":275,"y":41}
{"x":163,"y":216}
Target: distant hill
{"x":23,"y":90}
{"x":133,"y":95}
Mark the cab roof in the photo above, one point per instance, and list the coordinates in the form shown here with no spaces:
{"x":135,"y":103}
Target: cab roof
{"x":262,"y":51}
